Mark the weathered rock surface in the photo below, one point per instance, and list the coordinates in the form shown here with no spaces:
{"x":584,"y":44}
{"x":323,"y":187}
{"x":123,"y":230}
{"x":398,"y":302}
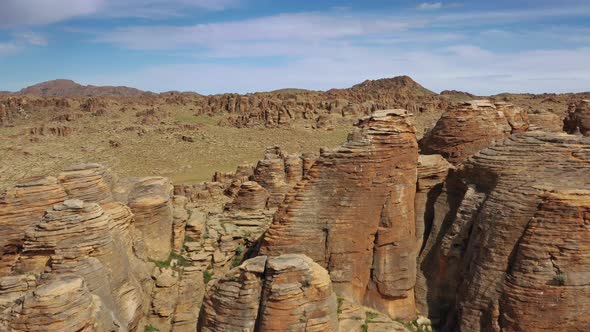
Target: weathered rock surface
{"x":545,"y":121}
{"x":489,"y":247}
{"x":578,"y":118}
{"x":354,"y":215}
{"x":151,"y":202}
{"x":20,"y":208}
{"x":285,"y":293}
{"x":79,"y":238}
{"x":547,"y":287}
{"x":471,"y":127}
{"x":60,"y":304}
{"x":88,"y":182}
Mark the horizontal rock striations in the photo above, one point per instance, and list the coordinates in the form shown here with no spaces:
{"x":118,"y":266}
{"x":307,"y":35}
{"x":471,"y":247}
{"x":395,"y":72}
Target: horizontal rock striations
{"x":354,"y":214}
{"x":547,"y":287}
{"x":150,"y":200}
{"x":60,"y":304}
{"x":482,"y":252}
{"x":471,"y":127}
{"x":20,"y":208}
{"x":285,"y":293}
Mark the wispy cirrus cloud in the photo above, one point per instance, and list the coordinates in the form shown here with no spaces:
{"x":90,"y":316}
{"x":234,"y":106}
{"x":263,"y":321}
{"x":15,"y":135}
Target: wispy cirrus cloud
{"x":438,"y":5}
{"x":18,"y":13}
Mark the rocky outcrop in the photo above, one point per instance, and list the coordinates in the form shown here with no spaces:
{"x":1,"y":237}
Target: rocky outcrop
{"x":250,"y":196}
{"x":151,"y":203}
{"x":79,"y":238}
{"x":285,"y":293}
{"x":578,"y":119}
{"x":545,"y":121}
{"x":471,"y":127}
{"x":488,"y":252}
{"x":59,"y":304}
{"x":88,"y":182}
{"x":20,"y":208}
{"x":550,"y":270}
{"x":354,"y":215}
{"x":59,"y":131}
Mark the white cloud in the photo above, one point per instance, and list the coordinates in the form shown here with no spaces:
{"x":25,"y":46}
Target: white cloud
{"x":8,"y":49}
{"x":31,"y":38}
{"x":286,"y":27}
{"x":430,"y":5}
{"x":39,"y":12}
{"x":15,"y":13}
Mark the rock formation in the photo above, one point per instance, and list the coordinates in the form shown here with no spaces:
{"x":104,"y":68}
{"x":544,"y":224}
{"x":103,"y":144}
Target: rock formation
{"x":471,"y":127}
{"x":549,"y":271}
{"x":20,"y":208}
{"x":151,"y":203}
{"x":545,"y":121}
{"x":284,"y":293}
{"x":60,"y":304}
{"x":578,"y":118}
{"x":354,"y":215}
{"x":483,"y":249}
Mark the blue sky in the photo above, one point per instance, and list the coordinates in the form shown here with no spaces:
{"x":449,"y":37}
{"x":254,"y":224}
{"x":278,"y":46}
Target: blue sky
{"x":215,"y":46}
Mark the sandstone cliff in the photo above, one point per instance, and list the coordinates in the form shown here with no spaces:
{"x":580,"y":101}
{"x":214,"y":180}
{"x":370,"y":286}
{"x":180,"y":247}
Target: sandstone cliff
{"x":354,"y":215}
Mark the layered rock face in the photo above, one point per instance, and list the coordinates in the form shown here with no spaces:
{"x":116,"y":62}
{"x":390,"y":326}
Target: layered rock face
{"x":285,"y":293}
{"x":496,"y":249}
{"x":60,"y":304}
{"x":545,"y":121}
{"x":471,"y":127}
{"x":354,"y":215}
{"x":78,"y":238}
{"x":151,"y":203}
{"x":20,"y":208}
{"x":550,"y":272}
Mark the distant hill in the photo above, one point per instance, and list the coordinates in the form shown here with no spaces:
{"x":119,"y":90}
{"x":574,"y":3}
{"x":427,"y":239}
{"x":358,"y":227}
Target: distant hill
{"x":399,"y":85}
{"x":69,"y":88}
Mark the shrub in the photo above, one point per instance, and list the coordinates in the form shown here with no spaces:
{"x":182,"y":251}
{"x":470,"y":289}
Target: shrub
{"x":559,"y":278}
{"x":150,"y":328}
{"x":207,"y":276}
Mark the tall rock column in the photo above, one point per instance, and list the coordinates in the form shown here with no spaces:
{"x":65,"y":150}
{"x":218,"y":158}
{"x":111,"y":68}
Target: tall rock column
{"x":354,"y":215}
{"x":151,"y":202}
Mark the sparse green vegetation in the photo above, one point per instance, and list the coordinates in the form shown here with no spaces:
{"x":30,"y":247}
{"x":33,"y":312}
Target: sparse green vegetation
{"x":365,"y":327}
{"x":180,"y":261}
{"x":150,"y":328}
{"x":340,"y":302}
{"x":190,"y":239}
{"x":207,"y":276}
{"x":559,"y":278}
{"x":371,"y":316}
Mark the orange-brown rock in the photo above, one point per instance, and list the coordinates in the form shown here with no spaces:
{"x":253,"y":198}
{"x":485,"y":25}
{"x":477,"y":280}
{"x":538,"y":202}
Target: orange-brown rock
{"x":285,"y":293}
{"x":20,"y":208}
{"x":463,"y":131}
{"x":60,"y":304}
{"x":251,"y":196}
{"x":151,"y":203}
{"x":489,"y":246}
{"x":545,"y":121}
{"x":432,"y":173}
{"x":80,"y":238}
{"x":547,"y":287}
{"x":579,"y":118}
{"x":88,"y":182}
{"x":354,"y":215}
